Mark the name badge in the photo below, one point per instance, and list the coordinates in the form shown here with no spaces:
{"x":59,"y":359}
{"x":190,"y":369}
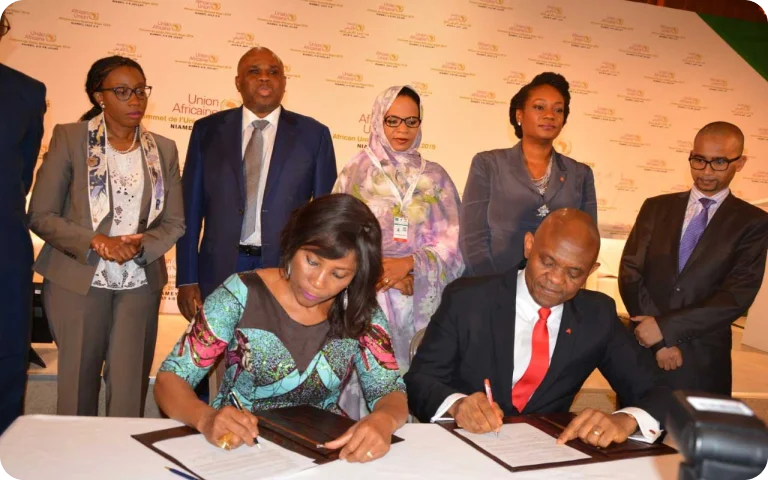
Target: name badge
{"x":400,"y":232}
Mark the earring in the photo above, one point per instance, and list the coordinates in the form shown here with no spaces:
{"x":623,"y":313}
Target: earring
{"x":102,"y":105}
{"x":288,"y":272}
{"x":345,"y":299}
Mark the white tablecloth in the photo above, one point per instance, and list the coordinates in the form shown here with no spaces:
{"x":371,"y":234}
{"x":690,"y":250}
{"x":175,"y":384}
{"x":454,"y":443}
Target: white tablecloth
{"x":60,"y":448}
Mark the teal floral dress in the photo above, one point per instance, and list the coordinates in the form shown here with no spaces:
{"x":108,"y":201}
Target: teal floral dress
{"x":261,"y":370}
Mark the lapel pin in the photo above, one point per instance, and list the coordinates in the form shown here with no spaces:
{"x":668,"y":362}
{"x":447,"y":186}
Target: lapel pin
{"x":568,"y":331}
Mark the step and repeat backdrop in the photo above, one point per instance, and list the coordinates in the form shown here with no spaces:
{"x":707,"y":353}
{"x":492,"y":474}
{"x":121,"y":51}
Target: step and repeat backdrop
{"x":643,"y":79}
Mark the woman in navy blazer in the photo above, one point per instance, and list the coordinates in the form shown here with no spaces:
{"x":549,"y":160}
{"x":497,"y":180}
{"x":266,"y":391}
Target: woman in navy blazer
{"x":510,"y":191}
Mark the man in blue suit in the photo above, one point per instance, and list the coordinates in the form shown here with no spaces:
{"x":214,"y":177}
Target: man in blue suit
{"x":247,"y":169}
{"x":22,"y":106}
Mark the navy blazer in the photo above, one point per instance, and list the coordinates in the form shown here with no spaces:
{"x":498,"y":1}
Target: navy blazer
{"x":471,"y":337}
{"x":22,"y":106}
{"x":302,"y":167}
{"x":500,"y":205}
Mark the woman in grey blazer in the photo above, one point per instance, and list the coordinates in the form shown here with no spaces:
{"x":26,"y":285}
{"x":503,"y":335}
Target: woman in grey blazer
{"x":108,"y":204}
{"x":510,"y":191}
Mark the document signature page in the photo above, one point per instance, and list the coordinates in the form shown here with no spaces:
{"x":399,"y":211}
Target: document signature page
{"x":520,"y":444}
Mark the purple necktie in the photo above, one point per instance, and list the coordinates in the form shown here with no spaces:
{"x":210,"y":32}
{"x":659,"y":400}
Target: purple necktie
{"x":693,"y":233}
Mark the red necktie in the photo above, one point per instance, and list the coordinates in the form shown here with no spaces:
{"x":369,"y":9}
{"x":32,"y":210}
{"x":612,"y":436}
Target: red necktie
{"x":533,"y":376}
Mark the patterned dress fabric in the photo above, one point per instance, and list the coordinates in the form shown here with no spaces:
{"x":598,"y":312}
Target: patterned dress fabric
{"x":259,"y":367}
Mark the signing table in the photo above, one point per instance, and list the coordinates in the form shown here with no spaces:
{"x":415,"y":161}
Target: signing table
{"x":61,"y":448}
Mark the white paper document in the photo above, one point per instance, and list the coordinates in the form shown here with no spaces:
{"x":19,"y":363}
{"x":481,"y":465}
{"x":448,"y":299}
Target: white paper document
{"x":213,"y":463}
{"x":520,"y":444}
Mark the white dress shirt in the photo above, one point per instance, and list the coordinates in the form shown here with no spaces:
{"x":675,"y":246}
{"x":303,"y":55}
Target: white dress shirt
{"x":526,"y":316}
{"x":269,"y":133}
{"x":695,"y":206}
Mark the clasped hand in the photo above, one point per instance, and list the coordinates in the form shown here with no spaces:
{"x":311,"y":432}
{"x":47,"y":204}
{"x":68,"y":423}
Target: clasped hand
{"x":476,"y":415}
{"x":396,"y":274}
{"x":117,"y":249}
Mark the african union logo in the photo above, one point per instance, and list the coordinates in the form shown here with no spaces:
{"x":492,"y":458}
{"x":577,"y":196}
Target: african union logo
{"x":316,"y":49}
{"x":690,"y":103}
{"x":38,"y":39}
{"x":497,"y":5}
{"x":386,"y":59}
{"x":553,"y":12}
{"x":694,"y":59}
{"x":456,"y":20}
{"x":665,"y":77}
{"x":516,"y":78}
{"x":639,"y":50}
{"x":354,"y":30}
{"x":742,"y":110}
{"x":390,"y":10}
{"x":580,"y":87}
{"x":668,"y":32}
{"x":610,"y":69}
{"x":453,"y":69}
{"x":349,"y":79}
{"x":422,"y":88}
{"x":549,"y":59}
{"x":283,"y":20}
{"x":660,"y":121}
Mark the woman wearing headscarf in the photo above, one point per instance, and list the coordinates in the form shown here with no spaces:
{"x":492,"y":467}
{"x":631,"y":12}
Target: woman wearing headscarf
{"x":417,"y":206}
{"x":108,"y":204}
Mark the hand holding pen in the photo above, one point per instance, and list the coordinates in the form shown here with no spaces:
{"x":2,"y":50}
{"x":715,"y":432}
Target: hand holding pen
{"x":229,"y":427}
{"x":489,"y":396}
{"x":476,"y":414}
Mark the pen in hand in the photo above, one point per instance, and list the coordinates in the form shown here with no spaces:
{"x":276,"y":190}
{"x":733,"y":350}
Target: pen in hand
{"x":489,"y":395}
{"x":236,"y":402}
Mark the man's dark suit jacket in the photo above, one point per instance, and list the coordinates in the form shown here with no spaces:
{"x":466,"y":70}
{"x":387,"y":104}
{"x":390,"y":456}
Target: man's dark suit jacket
{"x":22,"y":106}
{"x":472,"y":337}
{"x":302,"y":167}
{"x":696,"y":307}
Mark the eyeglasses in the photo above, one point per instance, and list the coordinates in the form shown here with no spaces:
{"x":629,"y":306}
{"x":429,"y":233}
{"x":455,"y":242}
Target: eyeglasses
{"x":718,"y":163}
{"x":5,"y":26}
{"x":124,"y":93}
{"x":394,"y":121}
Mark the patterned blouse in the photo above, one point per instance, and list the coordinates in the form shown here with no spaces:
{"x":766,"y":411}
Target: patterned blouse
{"x":261,"y":369}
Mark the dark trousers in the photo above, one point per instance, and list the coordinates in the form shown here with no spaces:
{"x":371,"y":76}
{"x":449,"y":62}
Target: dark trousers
{"x":16,"y":313}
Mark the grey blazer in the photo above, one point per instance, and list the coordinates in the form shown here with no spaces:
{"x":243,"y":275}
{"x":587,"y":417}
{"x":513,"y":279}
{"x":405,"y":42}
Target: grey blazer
{"x":500,"y":205}
{"x":59,"y":213}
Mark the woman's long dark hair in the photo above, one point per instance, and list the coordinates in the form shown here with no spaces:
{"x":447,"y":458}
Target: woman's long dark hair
{"x":96,"y":76}
{"x":555,"y":80}
{"x":332,"y":226}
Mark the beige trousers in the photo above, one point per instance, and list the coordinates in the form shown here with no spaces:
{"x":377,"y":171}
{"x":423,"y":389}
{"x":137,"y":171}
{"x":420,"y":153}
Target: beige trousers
{"x":116,"y":329}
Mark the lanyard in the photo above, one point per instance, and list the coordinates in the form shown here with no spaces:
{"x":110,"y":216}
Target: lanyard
{"x":404,"y":200}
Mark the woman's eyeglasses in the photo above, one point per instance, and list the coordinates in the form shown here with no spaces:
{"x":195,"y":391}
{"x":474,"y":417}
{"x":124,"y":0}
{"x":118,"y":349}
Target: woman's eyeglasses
{"x":124,"y":93}
{"x":394,"y":121}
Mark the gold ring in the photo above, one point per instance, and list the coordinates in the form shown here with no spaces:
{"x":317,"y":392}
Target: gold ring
{"x":223,"y":441}
{"x":369,"y":454}
{"x":386,"y":281}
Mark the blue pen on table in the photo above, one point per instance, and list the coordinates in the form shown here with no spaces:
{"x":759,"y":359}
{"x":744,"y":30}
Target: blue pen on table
{"x":181,"y":474}
{"x":236,"y":402}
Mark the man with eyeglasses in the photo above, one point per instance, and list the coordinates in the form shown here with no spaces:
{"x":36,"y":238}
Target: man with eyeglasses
{"x":22,"y":106}
{"x":693,"y":264}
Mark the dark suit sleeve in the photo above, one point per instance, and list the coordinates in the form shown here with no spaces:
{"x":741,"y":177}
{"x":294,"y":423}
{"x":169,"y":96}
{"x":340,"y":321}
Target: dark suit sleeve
{"x":632,"y":287}
{"x":193,"y":195}
{"x":735,"y":295}
{"x":428,"y":379}
{"x":325,"y":166}
{"x":631,"y":379}
{"x":30,"y":143}
{"x":474,"y":230}
{"x":588,"y":195}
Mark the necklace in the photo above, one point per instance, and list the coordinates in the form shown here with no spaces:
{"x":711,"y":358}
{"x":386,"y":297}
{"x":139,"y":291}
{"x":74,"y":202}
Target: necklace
{"x":540,"y":184}
{"x":123,"y":152}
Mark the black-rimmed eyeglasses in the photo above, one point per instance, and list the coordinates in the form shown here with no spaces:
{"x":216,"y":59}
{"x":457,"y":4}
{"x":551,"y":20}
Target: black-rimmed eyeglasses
{"x":124,"y":93}
{"x":395,"y":121}
{"x":719,"y":164}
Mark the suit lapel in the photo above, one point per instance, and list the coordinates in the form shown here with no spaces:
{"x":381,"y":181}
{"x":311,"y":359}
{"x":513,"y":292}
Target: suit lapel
{"x":556,"y":180}
{"x":281,"y":152}
{"x":503,"y":329}
{"x":674,"y":221}
{"x":229,"y":147}
{"x":518,"y":168}
{"x":714,"y":227}
{"x":566,"y":339}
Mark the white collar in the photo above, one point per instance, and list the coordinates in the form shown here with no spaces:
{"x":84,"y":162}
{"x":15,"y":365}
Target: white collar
{"x":249,"y":117}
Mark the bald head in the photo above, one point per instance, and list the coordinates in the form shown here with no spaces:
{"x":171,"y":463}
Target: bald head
{"x":561,"y":255}
{"x":724,"y":133}
{"x":255,"y":51}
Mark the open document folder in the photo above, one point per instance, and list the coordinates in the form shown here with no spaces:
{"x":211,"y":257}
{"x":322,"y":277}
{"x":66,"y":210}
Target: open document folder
{"x":291,"y":439}
{"x":529,"y":443}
